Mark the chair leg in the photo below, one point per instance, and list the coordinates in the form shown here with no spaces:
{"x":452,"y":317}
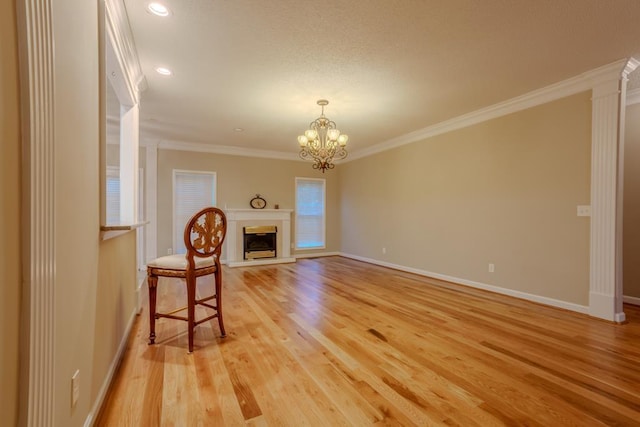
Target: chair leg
{"x":218,"y":279}
{"x":152,"y":281}
{"x":191,"y":308}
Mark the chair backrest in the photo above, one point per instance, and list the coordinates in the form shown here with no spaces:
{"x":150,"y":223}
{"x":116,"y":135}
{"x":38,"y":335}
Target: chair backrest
{"x":205,"y":232}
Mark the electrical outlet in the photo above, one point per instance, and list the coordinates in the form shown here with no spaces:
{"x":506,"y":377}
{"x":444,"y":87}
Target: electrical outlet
{"x":384,"y":251}
{"x":492,"y":268}
{"x":584,"y":210}
{"x":75,"y":388}
{"x":169,"y":251}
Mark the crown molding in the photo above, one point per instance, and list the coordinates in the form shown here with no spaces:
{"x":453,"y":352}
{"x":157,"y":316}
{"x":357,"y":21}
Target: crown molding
{"x":122,"y":56}
{"x":222,"y":149}
{"x":581,"y":83}
{"x":631,"y":65}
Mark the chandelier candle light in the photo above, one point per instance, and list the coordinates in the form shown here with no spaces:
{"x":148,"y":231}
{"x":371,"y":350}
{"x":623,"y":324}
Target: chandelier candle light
{"x":322,"y":142}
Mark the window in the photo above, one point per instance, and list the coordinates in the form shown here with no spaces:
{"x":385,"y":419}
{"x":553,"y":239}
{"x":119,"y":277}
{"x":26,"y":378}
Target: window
{"x":121,"y":78}
{"x":192,"y":191}
{"x":113,"y":206}
{"x":310,"y":213}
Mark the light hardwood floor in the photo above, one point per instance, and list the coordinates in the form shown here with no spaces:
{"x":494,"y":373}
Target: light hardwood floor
{"x":333,"y":341}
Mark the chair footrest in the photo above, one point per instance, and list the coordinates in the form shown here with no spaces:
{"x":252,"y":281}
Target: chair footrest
{"x":176,"y":310}
{"x":209,"y":298}
{"x":213,"y":307}
{"x":171,"y":316}
{"x":205,"y":319}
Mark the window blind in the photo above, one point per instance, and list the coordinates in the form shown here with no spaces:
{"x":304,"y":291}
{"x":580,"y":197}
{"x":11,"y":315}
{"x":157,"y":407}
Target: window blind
{"x":192,"y":191}
{"x":310,"y":213}
{"x":113,"y":195}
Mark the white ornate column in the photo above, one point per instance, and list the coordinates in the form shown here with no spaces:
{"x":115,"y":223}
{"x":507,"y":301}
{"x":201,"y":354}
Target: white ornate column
{"x":151,"y":202}
{"x":38,"y":213}
{"x":129,"y":135}
{"x":607,"y":144}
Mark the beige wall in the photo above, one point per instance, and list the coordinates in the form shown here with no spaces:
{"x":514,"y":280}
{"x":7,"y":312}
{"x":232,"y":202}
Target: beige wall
{"x":114,"y":305}
{"x":503,"y":192}
{"x":77,"y":202}
{"x":76,"y":152}
{"x":238,"y":180}
{"x":95,"y":281}
{"x":10,"y":279}
{"x":631,"y":212}
{"x":112,"y":155}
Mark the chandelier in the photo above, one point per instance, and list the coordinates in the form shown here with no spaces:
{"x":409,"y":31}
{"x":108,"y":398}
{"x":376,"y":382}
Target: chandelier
{"x":322,"y":142}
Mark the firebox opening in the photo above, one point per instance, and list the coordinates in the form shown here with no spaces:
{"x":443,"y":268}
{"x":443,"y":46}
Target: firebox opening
{"x":260,"y":241}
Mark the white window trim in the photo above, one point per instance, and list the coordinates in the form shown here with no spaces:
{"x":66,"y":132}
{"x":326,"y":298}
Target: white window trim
{"x":324,"y":214}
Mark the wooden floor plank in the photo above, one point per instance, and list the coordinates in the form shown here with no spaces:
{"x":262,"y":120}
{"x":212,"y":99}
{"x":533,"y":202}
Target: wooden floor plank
{"x":333,"y":341}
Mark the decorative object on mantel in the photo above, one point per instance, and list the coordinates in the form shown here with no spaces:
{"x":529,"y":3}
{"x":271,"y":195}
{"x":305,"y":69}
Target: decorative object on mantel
{"x":322,"y":142}
{"x":258,"y":202}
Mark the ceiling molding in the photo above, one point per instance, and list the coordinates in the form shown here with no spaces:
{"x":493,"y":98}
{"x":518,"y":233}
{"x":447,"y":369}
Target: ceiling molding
{"x":631,"y":65}
{"x":222,"y":149}
{"x":122,"y":57}
{"x":581,"y":83}
{"x":633,"y":96}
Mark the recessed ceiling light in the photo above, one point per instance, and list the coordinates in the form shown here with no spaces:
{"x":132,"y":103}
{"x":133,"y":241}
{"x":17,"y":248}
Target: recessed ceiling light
{"x":158,"y":9}
{"x":164,"y":71}
{"x":239,"y":129}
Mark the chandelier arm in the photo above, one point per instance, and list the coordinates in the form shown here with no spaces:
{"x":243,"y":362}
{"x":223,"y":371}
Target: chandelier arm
{"x":341,"y":154}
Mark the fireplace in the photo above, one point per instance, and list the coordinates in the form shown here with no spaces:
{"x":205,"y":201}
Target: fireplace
{"x":239,"y":218}
{"x":260,"y":241}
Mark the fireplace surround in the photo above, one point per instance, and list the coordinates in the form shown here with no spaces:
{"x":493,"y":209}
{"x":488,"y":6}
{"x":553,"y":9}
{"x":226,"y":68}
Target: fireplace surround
{"x":237,"y":219}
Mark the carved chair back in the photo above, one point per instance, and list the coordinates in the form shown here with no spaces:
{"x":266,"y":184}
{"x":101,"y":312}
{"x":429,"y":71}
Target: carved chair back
{"x":204,"y":234}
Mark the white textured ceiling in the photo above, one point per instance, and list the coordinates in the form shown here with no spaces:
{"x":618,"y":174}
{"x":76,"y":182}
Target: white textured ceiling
{"x":388,"y":67}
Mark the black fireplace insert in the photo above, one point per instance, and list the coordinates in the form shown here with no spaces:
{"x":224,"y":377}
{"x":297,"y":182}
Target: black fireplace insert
{"x":260,"y":241}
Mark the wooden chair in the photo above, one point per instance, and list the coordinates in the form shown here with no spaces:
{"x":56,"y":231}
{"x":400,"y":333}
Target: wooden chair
{"x":203,"y":237}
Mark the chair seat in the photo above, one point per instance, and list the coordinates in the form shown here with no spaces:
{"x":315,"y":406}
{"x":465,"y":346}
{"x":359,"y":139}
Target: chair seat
{"x":179,"y":262}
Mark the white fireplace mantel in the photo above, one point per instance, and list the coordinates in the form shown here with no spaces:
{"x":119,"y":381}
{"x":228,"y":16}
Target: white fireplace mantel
{"x":233,"y":240}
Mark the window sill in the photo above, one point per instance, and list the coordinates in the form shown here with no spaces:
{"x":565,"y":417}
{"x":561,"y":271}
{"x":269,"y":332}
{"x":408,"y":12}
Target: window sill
{"x":309,"y":248}
{"x":115,"y":230}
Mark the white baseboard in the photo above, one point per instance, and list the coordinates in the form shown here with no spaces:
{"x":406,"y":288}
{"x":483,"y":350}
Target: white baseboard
{"x":631,"y":300}
{"x":293,"y":258}
{"x":110,"y":373}
{"x":141,"y":280}
{"x":496,"y":289}
{"x":602,"y":306}
{"x":261,"y":261}
{"x":317,"y":254}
